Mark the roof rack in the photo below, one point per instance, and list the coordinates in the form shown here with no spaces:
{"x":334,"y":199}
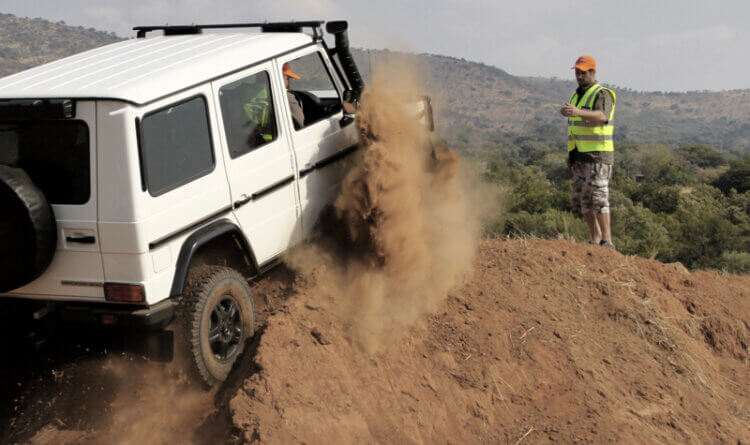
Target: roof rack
{"x":171,"y":30}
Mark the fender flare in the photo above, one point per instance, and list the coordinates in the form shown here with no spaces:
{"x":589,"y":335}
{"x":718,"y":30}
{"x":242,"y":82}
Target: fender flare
{"x":200,"y":238}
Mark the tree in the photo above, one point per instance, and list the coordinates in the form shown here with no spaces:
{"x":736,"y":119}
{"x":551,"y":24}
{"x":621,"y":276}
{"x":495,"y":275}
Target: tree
{"x":701,"y":155}
{"x":737,"y":177}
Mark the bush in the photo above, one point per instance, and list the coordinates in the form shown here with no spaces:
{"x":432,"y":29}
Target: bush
{"x":659,"y":164}
{"x":658,"y":198}
{"x":637,"y":230}
{"x":734,"y":262}
{"x":701,"y":227}
{"x":737,"y":177}
{"x":703,"y":156}
{"x":550,"y":224}
{"x":533,"y":193}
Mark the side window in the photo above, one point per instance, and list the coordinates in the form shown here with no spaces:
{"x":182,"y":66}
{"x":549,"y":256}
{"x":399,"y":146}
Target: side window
{"x":176,"y":145}
{"x":311,"y":85}
{"x":247,"y":111}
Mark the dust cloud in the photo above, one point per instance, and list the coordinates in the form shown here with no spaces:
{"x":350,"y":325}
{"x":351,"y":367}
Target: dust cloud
{"x":158,"y":405}
{"x":117,"y":400}
{"x":410,"y":215}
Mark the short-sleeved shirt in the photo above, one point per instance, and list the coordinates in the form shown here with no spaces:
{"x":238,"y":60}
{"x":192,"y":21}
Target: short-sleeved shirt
{"x":602,"y":102}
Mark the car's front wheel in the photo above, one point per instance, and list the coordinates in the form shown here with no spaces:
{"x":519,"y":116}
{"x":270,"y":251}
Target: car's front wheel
{"x":219,"y":317}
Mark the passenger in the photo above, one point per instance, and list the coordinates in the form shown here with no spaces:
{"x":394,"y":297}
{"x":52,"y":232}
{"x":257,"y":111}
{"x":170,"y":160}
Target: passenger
{"x":260,"y":117}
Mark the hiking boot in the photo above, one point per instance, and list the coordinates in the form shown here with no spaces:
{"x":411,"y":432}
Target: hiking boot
{"x":609,"y":245}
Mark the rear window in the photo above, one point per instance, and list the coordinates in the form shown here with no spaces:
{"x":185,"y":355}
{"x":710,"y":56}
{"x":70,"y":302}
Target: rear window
{"x":54,"y":153}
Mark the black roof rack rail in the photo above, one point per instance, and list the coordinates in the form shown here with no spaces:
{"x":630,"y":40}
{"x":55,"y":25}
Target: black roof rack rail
{"x":171,"y":30}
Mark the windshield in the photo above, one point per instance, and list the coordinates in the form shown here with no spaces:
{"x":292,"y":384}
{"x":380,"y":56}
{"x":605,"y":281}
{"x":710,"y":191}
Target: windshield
{"x":54,"y":153}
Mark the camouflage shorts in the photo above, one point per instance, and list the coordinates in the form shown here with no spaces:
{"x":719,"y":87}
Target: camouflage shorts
{"x":591,"y":187}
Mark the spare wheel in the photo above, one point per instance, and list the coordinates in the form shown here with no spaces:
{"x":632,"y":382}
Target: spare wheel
{"x":28,"y":236}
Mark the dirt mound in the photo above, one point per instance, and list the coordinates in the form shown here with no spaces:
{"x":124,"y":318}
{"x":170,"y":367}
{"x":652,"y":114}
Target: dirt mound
{"x":547,"y":341}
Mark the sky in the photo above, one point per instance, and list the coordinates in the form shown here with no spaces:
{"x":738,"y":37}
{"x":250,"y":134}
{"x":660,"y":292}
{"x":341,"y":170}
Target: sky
{"x":647,"y":45}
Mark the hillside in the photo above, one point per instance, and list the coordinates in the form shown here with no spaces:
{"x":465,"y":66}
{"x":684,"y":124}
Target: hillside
{"x":25,"y":43}
{"x":476,"y":102}
{"x":546,"y":341}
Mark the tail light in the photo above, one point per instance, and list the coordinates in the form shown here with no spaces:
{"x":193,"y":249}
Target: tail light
{"x":124,"y":293}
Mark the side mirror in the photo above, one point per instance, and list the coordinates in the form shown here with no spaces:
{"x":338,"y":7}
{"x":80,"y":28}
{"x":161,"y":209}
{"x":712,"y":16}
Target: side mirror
{"x":349,"y":98}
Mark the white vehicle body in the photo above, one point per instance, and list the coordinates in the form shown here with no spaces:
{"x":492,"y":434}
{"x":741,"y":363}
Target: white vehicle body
{"x":136,"y":235}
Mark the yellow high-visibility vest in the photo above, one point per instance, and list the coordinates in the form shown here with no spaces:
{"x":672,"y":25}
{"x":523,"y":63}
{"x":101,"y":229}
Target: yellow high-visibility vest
{"x":588,"y":136}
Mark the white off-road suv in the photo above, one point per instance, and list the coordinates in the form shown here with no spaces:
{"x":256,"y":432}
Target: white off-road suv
{"x":161,"y":173}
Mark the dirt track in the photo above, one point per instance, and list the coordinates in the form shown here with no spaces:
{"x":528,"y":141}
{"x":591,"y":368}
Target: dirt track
{"x":562,"y":341}
{"x":548,"y":341}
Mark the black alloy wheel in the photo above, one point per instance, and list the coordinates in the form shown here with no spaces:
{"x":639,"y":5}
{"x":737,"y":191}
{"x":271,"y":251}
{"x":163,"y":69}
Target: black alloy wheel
{"x":219,"y":318}
{"x":225,"y":330}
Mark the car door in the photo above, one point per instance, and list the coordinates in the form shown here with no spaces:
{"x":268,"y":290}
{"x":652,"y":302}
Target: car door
{"x":324,"y":142}
{"x":60,"y":157}
{"x":259,"y":161}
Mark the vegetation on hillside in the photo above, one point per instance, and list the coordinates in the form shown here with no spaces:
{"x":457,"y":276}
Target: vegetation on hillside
{"x":668,"y":204}
{"x":25,"y":43}
{"x":475,"y":101}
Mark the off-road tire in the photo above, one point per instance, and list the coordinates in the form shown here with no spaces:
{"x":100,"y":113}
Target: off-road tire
{"x":28,"y":232}
{"x":216,"y":336}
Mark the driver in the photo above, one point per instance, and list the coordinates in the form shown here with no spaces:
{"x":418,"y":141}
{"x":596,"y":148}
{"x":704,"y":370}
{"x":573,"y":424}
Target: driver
{"x":298,"y":117}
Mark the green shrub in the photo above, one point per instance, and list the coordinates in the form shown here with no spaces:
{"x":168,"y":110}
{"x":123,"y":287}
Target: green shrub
{"x":734,"y":262}
{"x":737,"y":177}
{"x":533,"y":192}
{"x":550,"y":224}
{"x":701,"y":155}
{"x":637,"y":230}
{"x":657,"y":197}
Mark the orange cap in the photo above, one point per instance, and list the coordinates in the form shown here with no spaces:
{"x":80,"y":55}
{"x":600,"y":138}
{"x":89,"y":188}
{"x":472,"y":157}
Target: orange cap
{"x":287,"y":70}
{"x":585,"y":63}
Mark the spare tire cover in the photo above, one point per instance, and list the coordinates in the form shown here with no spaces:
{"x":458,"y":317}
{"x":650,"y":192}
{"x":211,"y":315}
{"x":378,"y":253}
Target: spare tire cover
{"x":28,"y":236}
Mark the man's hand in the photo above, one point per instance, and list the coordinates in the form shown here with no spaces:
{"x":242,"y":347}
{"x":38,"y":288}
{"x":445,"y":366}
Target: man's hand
{"x":349,"y":108}
{"x":569,"y":110}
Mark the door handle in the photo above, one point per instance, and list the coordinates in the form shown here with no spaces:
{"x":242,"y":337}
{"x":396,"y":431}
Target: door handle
{"x":244,"y":199}
{"x":81,"y":239}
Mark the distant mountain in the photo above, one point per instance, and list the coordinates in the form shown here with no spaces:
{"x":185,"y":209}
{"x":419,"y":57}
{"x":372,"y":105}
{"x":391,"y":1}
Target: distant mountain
{"x":25,"y":43}
{"x":475,"y":103}
{"x":480,"y":102}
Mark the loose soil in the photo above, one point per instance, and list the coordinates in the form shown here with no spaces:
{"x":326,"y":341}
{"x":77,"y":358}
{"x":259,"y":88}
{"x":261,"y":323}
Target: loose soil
{"x":548,"y":341}
{"x":545,"y":341}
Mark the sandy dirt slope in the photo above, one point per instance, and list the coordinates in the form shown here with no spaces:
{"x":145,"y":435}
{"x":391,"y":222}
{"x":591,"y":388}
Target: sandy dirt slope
{"x":547,"y":341}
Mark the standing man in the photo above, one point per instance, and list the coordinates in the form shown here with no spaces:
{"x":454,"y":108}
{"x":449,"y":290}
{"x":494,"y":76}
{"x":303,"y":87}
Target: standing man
{"x":590,"y":112}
